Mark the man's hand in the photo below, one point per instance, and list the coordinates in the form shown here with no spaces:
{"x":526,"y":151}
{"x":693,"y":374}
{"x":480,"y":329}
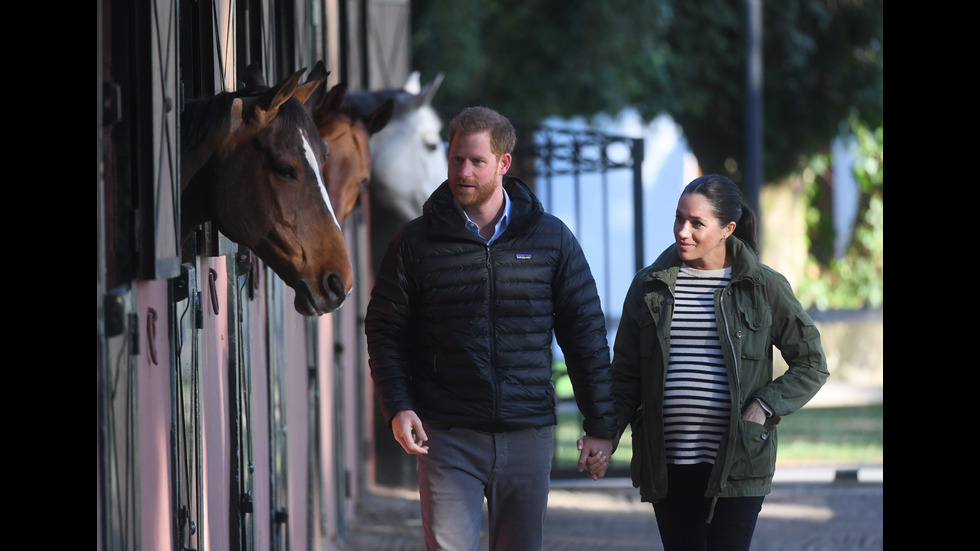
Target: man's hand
{"x":408,"y":431}
{"x":595,"y":453}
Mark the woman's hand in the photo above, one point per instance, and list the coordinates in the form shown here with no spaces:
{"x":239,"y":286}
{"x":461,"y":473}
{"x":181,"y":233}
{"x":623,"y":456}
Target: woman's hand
{"x":594,"y":455}
{"x":754,"y":413}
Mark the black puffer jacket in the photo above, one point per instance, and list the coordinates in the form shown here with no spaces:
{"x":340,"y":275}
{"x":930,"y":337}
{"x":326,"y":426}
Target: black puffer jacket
{"x":460,"y":332}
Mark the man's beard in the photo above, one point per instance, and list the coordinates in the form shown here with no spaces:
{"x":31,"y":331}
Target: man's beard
{"x":475,"y":196}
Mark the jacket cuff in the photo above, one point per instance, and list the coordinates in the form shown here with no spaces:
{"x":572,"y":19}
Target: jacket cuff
{"x":765,"y":407}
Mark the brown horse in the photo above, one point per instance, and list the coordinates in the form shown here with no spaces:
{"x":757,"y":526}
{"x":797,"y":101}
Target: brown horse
{"x":253,"y":165}
{"x":347,"y":133}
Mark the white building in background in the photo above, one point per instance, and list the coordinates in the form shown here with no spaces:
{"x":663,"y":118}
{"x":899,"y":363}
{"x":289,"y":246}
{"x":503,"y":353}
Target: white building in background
{"x":668,"y":165}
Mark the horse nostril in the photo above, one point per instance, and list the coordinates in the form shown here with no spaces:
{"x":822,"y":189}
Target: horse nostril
{"x":333,"y":285}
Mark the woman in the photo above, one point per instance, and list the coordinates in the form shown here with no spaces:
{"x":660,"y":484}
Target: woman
{"x":693,"y":372}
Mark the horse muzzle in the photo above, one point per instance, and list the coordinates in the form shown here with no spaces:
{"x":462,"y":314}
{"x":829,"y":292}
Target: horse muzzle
{"x":334,"y":295}
{"x":320,"y":287}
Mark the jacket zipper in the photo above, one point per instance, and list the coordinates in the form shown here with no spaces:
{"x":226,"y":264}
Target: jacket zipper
{"x":493,"y":338}
{"x":736,"y":398}
{"x":728,"y":333}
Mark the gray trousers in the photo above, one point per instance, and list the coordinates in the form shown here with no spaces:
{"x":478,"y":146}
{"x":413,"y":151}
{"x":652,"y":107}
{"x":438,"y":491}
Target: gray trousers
{"x":512,"y":470}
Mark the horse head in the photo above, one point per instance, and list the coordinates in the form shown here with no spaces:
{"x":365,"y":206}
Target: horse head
{"x":252,"y":163}
{"x":408,"y":155}
{"x":348,"y":134}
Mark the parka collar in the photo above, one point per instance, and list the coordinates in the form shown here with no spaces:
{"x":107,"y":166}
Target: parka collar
{"x":745,"y":263}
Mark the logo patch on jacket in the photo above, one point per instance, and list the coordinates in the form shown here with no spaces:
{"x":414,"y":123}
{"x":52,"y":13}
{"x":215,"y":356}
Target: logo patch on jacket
{"x":523,"y":256}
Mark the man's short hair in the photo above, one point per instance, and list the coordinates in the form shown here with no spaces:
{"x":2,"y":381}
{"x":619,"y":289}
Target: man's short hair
{"x":472,"y":120}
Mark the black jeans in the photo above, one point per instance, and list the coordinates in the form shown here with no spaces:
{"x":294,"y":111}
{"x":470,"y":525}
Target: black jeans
{"x":682,"y":516}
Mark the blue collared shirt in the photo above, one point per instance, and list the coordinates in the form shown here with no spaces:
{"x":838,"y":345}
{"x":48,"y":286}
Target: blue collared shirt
{"x":498,"y":228}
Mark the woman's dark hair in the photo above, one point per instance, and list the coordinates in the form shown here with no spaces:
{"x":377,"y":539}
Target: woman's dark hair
{"x":726,"y":202}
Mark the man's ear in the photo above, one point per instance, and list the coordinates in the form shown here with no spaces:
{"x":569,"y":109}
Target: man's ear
{"x":504,"y":163}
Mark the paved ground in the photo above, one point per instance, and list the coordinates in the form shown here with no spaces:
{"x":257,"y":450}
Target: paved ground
{"x":810,"y":509}
{"x":815,"y":513}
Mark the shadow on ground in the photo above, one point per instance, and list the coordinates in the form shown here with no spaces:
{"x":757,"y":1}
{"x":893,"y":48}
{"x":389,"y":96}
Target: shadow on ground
{"x":813,"y":516}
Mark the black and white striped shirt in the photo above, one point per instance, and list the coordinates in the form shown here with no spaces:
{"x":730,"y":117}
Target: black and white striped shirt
{"x":697,"y":400}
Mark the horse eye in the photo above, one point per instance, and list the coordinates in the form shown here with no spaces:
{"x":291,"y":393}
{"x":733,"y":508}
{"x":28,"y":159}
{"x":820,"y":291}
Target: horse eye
{"x":431,"y":147}
{"x":286,"y":171}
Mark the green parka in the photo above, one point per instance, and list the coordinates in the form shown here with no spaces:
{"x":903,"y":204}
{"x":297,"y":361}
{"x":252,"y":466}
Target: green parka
{"x":757,"y":311}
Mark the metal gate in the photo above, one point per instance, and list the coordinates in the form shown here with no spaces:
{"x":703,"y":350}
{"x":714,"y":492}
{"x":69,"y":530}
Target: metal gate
{"x":593,"y":182}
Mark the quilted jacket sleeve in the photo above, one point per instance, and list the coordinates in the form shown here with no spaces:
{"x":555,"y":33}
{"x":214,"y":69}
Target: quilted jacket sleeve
{"x":580,"y":328}
{"x":387,"y":327}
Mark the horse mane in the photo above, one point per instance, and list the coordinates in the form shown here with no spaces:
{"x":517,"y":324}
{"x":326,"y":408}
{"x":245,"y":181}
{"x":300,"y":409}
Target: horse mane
{"x":359,"y":105}
{"x":201,"y":116}
{"x":412,"y":97}
{"x":296,"y":116}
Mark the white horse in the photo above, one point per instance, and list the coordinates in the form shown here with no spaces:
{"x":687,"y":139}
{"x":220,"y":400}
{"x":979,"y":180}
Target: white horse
{"x":408,"y":156}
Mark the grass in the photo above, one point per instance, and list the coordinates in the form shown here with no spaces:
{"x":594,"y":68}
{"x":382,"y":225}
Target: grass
{"x":851,"y":436}
{"x":844,"y":435}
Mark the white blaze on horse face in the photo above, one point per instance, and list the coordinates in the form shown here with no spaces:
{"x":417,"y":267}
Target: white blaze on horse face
{"x":311,"y":158}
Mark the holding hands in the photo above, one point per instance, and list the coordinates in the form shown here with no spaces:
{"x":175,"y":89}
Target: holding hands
{"x":594,"y":452}
{"x":594,"y":456}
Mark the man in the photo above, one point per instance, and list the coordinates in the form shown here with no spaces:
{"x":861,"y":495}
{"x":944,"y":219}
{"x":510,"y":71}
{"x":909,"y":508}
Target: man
{"x":459,"y":331}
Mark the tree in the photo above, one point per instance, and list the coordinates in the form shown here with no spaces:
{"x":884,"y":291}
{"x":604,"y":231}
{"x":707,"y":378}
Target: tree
{"x":534,"y":59}
{"x":822,"y":71}
{"x":856,"y":279}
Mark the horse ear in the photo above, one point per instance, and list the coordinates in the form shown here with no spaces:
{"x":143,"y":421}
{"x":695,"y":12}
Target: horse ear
{"x":267,"y":105}
{"x":305,"y":91}
{"x":413,"y":84}
{"x":430,"y":89}
{"x":379,"y":117}
{"x":325,"y":105}
{"x":424,"y":96}
{"x":254,"y":77}
{"x":335,"y":99}
{"x":318,"y":74}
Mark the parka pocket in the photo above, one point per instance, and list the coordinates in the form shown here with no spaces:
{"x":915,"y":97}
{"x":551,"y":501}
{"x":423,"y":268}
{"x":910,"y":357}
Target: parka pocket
{"x":755,"y":321}
{"x":753,"y":336}
{"x":755,"y":451}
